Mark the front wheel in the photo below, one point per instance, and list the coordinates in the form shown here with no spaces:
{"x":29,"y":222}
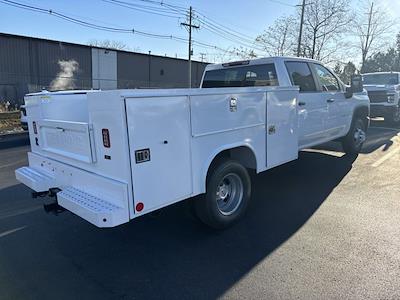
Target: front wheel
{"x":396,"y":116}
{"x":354,"y":140}
{"x":227,"y":195}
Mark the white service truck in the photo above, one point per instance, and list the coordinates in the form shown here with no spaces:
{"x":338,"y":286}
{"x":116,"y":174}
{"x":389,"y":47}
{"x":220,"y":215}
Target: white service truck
{"x":384,"y":94}
{"x":112,"y":156}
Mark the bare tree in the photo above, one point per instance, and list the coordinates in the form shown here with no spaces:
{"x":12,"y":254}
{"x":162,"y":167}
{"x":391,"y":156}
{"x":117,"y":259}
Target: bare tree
{"x":325,"y":22}
{"x":111,"y":44}
{"x":279,"y":39}
{"x":244,"y":53}
{"x":372,"y":27}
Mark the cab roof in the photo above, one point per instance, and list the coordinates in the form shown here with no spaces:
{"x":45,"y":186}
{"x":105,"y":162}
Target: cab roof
{"x":258,"y":61}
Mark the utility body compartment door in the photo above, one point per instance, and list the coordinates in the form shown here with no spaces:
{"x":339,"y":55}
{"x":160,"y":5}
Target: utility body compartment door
{"x":282,"y":129}
{"x":69,"y":139}
{"x":159,"y":142}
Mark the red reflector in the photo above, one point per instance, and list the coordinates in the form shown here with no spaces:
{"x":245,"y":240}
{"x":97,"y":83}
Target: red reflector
{"x":106,"y":138}
{"x":139,"y":206}
{"x":34,"y":127}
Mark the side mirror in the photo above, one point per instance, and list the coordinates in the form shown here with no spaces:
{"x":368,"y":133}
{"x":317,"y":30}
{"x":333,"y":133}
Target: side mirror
{"x":349,"y":92}
{"x":357,"y":84}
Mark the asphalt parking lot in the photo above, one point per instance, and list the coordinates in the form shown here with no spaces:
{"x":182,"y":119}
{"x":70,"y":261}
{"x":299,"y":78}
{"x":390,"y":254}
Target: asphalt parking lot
{"x":326,"y":226}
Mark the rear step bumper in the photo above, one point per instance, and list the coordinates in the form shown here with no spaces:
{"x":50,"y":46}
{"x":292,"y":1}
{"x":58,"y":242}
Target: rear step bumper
{"x":97,"y":211}
{"x":36,"y":180}
{"x":99,"y":200}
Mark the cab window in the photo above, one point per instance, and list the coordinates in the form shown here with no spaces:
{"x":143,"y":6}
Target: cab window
{"x":243,"y":76}
{"x":300,"y":74}
{"x":327,"y":80}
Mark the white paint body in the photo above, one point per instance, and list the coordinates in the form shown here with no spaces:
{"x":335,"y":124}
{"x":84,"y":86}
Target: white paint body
{"x":184,"y":129}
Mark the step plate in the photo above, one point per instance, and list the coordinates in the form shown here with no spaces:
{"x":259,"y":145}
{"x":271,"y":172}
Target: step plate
{"x":37,"y":181}
{"x":91,"y":208}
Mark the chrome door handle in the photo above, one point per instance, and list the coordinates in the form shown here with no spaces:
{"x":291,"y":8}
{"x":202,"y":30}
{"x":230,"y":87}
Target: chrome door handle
{"x":330,"y":100}
{"x":301,"y":103}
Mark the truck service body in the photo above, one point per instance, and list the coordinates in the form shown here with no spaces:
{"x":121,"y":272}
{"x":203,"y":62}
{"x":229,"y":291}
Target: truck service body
{"x":111,"y":156}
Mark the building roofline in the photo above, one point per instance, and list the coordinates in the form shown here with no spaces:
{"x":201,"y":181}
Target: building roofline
{"x":4,"y":34}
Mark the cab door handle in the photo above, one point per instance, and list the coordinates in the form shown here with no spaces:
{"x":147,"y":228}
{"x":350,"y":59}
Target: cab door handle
{"x":330,"y":100}
{"x":301,"y":103}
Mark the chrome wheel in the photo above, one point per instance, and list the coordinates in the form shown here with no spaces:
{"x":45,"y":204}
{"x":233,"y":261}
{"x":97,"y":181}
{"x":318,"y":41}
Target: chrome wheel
{"x":229,"y":194}
{"x":359,"y":134}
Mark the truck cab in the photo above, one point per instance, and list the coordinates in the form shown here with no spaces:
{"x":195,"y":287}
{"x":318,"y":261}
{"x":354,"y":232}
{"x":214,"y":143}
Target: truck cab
{"x":325,"y":104}
{"x":384,"y":93}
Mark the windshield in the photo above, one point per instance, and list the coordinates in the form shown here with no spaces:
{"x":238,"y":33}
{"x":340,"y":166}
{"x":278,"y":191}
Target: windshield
{"x":381,"y":79}
{"x":254,"y":75}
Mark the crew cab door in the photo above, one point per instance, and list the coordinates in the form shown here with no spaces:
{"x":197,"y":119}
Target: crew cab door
{"x":331,"y":91}
{"x":312,"y":108}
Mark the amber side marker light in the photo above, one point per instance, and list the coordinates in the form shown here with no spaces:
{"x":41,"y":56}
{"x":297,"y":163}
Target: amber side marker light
{"x":106,"y":138}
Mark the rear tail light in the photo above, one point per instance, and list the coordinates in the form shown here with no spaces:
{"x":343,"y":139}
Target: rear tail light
{"x":34,"y":127}
{"x":106,"y":138}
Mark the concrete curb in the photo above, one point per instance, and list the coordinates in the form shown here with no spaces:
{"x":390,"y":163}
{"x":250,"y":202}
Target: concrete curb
{"x":14,"y":140}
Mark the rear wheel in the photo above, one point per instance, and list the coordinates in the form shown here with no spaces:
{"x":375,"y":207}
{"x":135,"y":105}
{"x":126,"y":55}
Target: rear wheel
{"x":354,"y":140}
{"x":227,"y":195}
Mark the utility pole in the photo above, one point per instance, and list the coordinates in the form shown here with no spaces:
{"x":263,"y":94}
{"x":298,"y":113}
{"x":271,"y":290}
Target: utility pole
{"x":190,"y":26}
{"x":367,"y":38}
{"x":202,"y":56}
{"x":301,"y":28}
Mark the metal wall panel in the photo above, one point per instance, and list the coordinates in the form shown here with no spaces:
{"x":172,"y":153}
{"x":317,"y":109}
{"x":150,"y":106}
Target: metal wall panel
{"x":51,"y":56}
{"x":30,"y":64}
{"x":142,"y":71}
{"x":104,"y":69}
{"x":14,"y":68}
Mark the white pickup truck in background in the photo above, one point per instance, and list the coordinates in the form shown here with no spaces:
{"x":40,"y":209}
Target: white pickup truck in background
{"x":112,"y":156}
{"x":384,"y":93}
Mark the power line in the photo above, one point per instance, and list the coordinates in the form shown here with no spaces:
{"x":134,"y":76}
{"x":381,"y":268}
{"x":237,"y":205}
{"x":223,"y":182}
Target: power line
{"x":230,"y":38}
{"x":224,"y":28}
{"x":209,"y":24}
{"x":86,"y":23}
{"x":146,"y":9}
{"x":212,"y":26}
{"x":282,"y":3}
{"x":107,"y":28}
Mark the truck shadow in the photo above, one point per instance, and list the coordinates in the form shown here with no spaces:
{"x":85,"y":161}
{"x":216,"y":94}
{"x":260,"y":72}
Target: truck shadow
{"x":377,"y":137}
{"x":173,"y":255}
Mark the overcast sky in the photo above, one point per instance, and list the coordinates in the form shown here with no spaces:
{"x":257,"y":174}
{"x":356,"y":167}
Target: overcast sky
{"x":246,"y":17}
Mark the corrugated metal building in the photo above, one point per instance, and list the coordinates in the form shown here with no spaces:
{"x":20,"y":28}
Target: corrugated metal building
{"x":30,"y":64}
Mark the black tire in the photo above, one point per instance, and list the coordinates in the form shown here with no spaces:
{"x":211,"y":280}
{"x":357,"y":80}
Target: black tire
{"x":352,"y":143}
{"x":395,"y":118}
{"x":212,"y":208}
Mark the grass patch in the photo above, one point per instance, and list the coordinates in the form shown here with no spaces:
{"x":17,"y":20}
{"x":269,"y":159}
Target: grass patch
{"x":10,"y":122}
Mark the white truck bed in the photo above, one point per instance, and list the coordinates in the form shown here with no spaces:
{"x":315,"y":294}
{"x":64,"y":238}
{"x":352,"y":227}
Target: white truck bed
{"x":162,"y":143}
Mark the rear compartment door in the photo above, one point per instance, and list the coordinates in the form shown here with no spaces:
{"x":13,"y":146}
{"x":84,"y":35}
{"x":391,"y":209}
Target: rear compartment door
{"x":69,"y":139}
{"x":159,"y":142}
